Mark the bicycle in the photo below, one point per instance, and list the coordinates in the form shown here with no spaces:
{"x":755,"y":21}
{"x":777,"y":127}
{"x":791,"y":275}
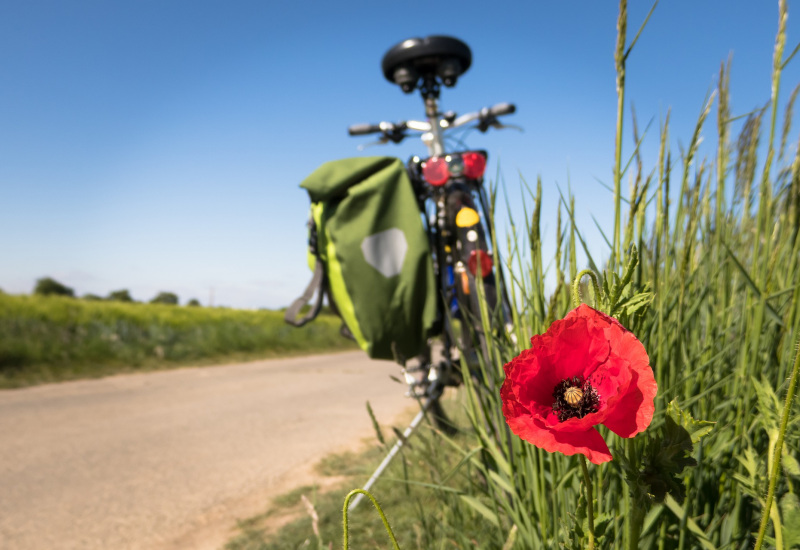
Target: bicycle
{"x":455,"y":210}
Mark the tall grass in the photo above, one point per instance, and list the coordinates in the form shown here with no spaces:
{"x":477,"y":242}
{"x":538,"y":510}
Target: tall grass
{"x":50,"y":338}
{"x":718,"y":248}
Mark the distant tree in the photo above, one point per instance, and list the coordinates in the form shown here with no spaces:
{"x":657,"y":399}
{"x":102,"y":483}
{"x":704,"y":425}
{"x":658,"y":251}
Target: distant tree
{"x":165,"y":298}
{"x":194,"y":302}
{"x":92,"y":297}
{"x":50,"y":287}
{"x":123,"y":295}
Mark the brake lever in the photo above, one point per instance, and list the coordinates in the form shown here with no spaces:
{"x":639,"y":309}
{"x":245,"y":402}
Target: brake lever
{"x":501,"y":126}
{"x":492,"y":122}
{"x":381,"y":141}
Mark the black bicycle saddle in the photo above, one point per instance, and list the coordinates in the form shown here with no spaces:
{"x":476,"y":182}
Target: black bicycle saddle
{"x":430,"y":57}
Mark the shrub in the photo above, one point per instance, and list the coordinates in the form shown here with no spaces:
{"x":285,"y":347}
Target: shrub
{"x":120,"y":296}
{"x":48,"y":286}
{"x":169,"y":298}
{"x":194,"y":302}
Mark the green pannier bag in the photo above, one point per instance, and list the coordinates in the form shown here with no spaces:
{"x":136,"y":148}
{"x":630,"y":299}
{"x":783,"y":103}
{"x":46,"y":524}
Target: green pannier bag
{"x":370,"y":255}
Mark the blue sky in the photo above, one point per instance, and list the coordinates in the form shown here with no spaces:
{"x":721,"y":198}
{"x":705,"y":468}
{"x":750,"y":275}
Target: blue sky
{"x":156,"y":145}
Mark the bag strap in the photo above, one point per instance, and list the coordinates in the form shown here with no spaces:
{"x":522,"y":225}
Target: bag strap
{"x":317,"y":285}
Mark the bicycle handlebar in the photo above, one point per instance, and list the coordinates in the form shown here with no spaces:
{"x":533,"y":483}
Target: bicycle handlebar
{"x":502,"y":109}
{"x":363,"y":129}
{"x":395,"y":132}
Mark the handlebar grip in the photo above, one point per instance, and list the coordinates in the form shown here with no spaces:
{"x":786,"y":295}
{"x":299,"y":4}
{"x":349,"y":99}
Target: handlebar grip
{"x":363,"y":129}
{"x":502,"y":109}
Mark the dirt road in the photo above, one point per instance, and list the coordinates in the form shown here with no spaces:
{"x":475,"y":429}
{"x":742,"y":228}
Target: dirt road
{"x":171,"y":459}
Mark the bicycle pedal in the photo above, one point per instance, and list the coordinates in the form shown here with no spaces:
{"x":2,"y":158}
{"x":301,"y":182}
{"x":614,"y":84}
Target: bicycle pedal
{"x":411,"y":380}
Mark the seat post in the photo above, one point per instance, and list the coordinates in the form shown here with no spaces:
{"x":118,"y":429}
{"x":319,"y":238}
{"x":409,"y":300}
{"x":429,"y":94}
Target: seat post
{"x":436,"y":145}
{"x":430,"y":94}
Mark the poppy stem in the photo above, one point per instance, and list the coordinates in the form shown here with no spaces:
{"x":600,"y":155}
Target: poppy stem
{"x":636,"y":522}
{"x":587,"y":483}
{"x":576,"y":288}
{"x":635,"y":516}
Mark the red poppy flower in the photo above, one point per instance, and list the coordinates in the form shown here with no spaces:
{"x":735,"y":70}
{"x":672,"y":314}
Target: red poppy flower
{"x":587,"y":369}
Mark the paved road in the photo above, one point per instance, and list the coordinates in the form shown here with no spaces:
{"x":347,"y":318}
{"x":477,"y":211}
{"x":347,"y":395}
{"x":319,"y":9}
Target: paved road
{"x":171,"y":459}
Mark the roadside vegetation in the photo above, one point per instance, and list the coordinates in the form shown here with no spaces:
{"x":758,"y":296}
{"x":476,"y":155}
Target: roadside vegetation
{"x":311,"y":516}
{"x":56,"y":337}
{"x":704,"y":267}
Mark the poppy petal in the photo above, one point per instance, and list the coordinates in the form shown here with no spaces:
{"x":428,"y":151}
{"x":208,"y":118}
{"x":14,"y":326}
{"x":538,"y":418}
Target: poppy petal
{"x":588,"y":443}
{"x":634,"y":411}
{"x":578,"y":348}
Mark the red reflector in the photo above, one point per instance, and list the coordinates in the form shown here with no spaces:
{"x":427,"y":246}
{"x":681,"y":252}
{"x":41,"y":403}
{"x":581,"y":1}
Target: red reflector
{"x":474,"y":164}
{"x":435,"y":171}
{"x":486,"y":262}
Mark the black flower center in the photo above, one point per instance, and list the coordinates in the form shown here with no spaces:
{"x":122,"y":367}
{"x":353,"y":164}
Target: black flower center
{"x":574,"y":398}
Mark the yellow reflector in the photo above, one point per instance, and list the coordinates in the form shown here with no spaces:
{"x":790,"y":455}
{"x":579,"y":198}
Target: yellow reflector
{"x":467,"y":217}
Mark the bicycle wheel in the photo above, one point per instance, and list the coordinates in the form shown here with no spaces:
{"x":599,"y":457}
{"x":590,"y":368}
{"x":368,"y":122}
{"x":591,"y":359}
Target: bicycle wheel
{"x":439,"y":416}
{"x":472,"y":259}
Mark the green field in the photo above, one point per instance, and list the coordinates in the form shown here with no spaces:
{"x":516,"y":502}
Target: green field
{"x":52,"y":338}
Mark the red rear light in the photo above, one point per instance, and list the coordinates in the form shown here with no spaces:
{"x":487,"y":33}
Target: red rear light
{"x":485,"y":259}
{"x":435,"y":171}
{"x":474,"y":164}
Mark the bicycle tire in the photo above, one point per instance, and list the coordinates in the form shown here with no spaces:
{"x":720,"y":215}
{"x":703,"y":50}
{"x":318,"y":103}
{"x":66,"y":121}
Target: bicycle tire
{"x":471,"y":238}
{"x":439,"y":417}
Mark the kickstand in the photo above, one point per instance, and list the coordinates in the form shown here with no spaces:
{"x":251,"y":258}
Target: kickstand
{"x":390,"y":456}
